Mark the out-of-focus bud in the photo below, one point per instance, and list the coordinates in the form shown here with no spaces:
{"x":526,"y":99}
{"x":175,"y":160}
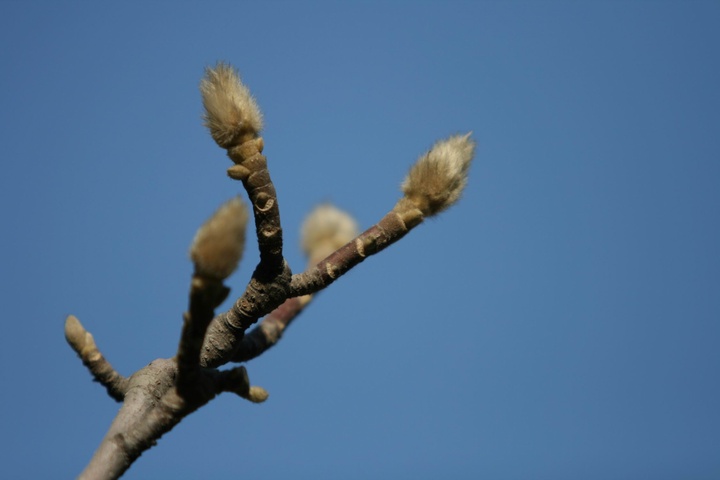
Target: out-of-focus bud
{"x":257,"y":394}
{"x":325,"y":230}
{"x":218,"y":245}
{"x":80,"y":339}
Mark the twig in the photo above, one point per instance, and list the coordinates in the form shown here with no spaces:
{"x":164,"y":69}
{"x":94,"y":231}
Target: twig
{"x":84,"y":345}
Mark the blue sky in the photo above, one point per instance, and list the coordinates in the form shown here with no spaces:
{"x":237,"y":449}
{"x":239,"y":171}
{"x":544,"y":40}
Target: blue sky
{"x":561,"y":322}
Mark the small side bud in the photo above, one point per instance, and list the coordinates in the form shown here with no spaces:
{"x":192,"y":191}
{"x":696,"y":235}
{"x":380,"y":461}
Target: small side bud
{"x":438,"y":178}
{"x":218,"y":245}
{"x":231,"y":112}
{"x":236,"y":380}
{"x":257,"y":394}
{"x":325,"y":230}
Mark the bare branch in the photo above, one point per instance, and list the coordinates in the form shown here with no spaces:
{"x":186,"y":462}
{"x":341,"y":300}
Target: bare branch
{"x":133,"y":430}
{"x":205,"y":295}
{"x":84,"y":345}
{"x":373,"y":240}
{"x":270,"y":330}
{"x":270,"y":281}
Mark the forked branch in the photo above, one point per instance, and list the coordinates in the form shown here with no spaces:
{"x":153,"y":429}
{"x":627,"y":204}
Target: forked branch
{"x":158,"y":396}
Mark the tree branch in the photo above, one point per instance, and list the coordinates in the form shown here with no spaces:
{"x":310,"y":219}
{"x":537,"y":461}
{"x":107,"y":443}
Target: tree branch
{"x":205,"y":295}
{"x":122,"y":444}
{"x":270,"y":281}
{"x":270,"y":330}
{"x":84,"y":345}
{"x":391,"y":228}
{"x":158,"y":396}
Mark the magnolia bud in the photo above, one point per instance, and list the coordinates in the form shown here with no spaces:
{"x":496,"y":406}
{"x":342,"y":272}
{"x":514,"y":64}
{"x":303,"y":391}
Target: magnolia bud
{"x":438,"y":178}
{"x":218,"y":245}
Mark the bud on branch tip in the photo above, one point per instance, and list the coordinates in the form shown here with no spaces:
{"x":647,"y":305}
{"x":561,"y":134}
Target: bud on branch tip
{"x":230,"y":110}
{"x":438,"y":178}
{"x":218,"y":245}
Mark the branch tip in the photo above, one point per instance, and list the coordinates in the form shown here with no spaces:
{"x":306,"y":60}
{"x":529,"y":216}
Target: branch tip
{"x":257,"y":394}
{"x":436,"y":181}
{"x":79,"y":339}
{"x":231,"y":112}
{"x":83,"y":344}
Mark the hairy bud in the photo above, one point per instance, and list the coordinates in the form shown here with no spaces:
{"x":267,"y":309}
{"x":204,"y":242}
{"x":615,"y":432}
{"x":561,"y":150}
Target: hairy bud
{"x":438,"y":178}
{"x":80,"y":339}
{"x":257,"y":394}
{"x":325,"y":230}
{"x":231,"y":112}
{"x":218,"y":245}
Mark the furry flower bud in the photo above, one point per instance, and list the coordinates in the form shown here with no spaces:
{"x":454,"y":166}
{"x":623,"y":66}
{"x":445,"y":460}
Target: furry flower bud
{"x":438,"y":178}
{"x":325,"y":230}
{"x":231,"y":112}
{"x":218,"y":245}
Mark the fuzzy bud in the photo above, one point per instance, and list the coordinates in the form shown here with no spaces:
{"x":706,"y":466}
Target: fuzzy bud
{"x":218,"y":245}
{"x":438,"y":178}
{"x":231,"y":112}
{"x":257,"y":394}
{"x":80,"y":339}
{"x":325,"y":230}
